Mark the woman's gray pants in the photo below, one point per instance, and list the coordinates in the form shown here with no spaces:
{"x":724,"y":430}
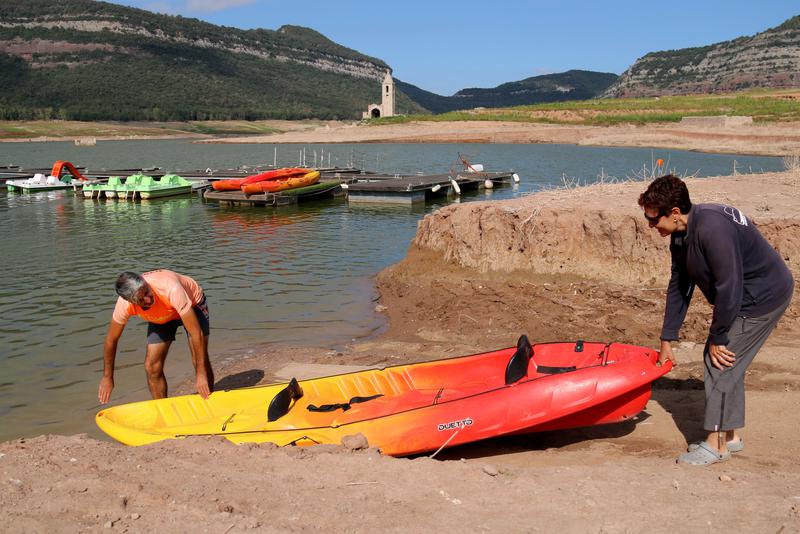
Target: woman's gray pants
{"x":725,"y":387}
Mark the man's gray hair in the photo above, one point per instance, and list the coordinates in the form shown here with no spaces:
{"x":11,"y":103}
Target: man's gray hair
{"x":128,"y":285}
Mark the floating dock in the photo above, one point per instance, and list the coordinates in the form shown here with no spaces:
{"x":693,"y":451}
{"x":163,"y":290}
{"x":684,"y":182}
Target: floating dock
{"x":358,"y":185}
{"x":326,"y":189}
{"x":412,"y":189}
{"x":329,"y":186}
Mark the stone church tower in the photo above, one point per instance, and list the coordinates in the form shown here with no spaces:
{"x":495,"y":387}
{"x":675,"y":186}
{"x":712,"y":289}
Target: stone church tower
{"x":387,"y":98}
{"x":386,"y":107}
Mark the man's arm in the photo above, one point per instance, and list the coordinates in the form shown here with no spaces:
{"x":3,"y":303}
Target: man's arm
{"x":199,"y":355}
{"x":109,"y":355}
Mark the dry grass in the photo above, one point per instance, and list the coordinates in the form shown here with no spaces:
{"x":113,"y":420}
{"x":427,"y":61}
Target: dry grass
{"x":792,"y":164}
{"x":647,"y":173}
{"x":99,"y":130}
{"x":762,"y":105}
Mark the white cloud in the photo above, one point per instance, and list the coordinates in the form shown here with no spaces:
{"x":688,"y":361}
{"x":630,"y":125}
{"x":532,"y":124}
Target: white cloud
{"x":206,"y":6}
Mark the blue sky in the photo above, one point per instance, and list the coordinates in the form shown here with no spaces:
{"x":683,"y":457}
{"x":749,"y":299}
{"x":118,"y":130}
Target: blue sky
{"x":444,"y":45}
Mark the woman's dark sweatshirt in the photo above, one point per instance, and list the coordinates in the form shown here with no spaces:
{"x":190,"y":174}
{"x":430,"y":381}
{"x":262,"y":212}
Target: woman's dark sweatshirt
{"x":738,"y":271}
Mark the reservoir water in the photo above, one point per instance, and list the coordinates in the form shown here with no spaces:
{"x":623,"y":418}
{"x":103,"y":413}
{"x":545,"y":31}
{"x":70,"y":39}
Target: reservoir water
{"x":296,"y":275}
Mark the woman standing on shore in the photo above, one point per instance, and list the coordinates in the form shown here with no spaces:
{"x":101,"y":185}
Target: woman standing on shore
{"x":719,"y":250}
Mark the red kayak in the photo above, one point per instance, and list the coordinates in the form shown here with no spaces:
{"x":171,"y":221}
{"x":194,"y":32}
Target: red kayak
{"x":236,"y":184}
{"x":274,"y":175}
{"x":281,"y":184}
{"x":418,"y":407}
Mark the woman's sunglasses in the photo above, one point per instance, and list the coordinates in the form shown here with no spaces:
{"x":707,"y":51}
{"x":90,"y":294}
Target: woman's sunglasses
{"x":655,"y":218}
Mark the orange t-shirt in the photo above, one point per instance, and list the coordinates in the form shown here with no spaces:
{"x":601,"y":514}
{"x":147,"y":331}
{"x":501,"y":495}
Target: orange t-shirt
{"x":174,"y":295}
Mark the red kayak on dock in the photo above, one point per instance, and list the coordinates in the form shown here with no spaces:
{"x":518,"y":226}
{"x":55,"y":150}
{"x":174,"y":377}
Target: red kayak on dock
{"x":281,"y":184}
{"x":275,"y":175}
{"x":236,"y":184}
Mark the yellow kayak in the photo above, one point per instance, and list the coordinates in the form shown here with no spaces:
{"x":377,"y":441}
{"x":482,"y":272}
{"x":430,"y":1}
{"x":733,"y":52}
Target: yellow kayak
{"x":408,"y":409}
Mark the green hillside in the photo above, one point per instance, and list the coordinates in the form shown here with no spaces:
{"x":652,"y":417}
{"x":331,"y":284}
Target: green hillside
{"x":764,"y":105}
{"x":87,"y":60}
{"x":570,"y":85}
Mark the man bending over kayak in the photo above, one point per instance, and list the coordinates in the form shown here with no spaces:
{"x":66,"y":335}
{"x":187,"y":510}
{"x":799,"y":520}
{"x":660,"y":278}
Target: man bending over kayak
{"x":166,"y":300}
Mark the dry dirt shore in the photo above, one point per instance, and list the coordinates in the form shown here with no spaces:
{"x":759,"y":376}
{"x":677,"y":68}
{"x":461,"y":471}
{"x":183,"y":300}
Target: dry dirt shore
{"x":773,"y":139}
{"x":769,"y":139}
{"x":557,"y":265}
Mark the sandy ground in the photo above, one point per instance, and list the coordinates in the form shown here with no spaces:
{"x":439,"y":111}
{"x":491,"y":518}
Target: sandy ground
{"x":769,"y":139}
{"x":774,"y":139}
{"x":53,"y":130}
{"x":557,"y":265}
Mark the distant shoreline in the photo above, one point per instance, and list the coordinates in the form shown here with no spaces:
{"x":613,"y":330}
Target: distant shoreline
{"x":72,"y":139}
{"x":763,"y":139}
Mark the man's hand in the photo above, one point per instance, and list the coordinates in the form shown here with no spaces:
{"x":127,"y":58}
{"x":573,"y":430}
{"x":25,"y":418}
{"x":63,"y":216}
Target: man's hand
{"x":202,"y":385}
{"x":720,"y":356}
{"x":666,"y":354}
{"x":106,"y":386}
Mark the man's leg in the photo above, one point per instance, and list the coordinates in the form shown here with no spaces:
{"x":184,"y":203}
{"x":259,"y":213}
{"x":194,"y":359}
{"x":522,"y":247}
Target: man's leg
{"x":159,"y":339}
{"x":154,"y":367}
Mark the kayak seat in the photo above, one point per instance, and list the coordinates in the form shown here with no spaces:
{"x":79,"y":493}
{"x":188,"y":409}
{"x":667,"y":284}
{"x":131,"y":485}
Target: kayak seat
{"x":282,"y":402}
{"x":518,"y":364}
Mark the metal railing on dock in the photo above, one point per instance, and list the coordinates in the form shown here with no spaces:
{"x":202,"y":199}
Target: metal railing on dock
{"x":410,"y":189}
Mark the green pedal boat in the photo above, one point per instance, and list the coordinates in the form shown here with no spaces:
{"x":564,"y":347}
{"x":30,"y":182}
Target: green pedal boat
{"x":142,"y":187}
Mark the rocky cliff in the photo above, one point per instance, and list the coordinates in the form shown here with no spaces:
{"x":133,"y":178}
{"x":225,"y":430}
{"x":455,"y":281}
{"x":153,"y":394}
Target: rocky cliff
{"x":768,"y":59}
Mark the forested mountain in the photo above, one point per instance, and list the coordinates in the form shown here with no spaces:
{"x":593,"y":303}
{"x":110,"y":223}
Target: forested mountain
{"x":91,"y":60}
{"x":570,"y":85}
{"x":87,"y":60}
{"x":768,"y":59}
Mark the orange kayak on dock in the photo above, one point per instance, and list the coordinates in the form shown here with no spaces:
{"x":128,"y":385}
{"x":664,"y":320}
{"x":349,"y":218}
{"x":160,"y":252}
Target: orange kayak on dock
{"x":227,"y":185}
{"x":281,"y":184}
{"x":236,"y":184}
{"x":274,"y":175}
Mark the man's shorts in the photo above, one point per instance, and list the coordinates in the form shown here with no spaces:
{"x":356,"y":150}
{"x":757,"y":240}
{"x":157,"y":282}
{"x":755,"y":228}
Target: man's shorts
{"x":162,"y":333}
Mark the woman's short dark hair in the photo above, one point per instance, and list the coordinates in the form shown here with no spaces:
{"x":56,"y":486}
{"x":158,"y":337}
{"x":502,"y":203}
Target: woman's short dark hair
{"x":665,"y":193}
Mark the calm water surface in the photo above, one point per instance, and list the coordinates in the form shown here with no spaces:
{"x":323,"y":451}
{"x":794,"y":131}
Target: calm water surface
{"x":299,"y":275}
